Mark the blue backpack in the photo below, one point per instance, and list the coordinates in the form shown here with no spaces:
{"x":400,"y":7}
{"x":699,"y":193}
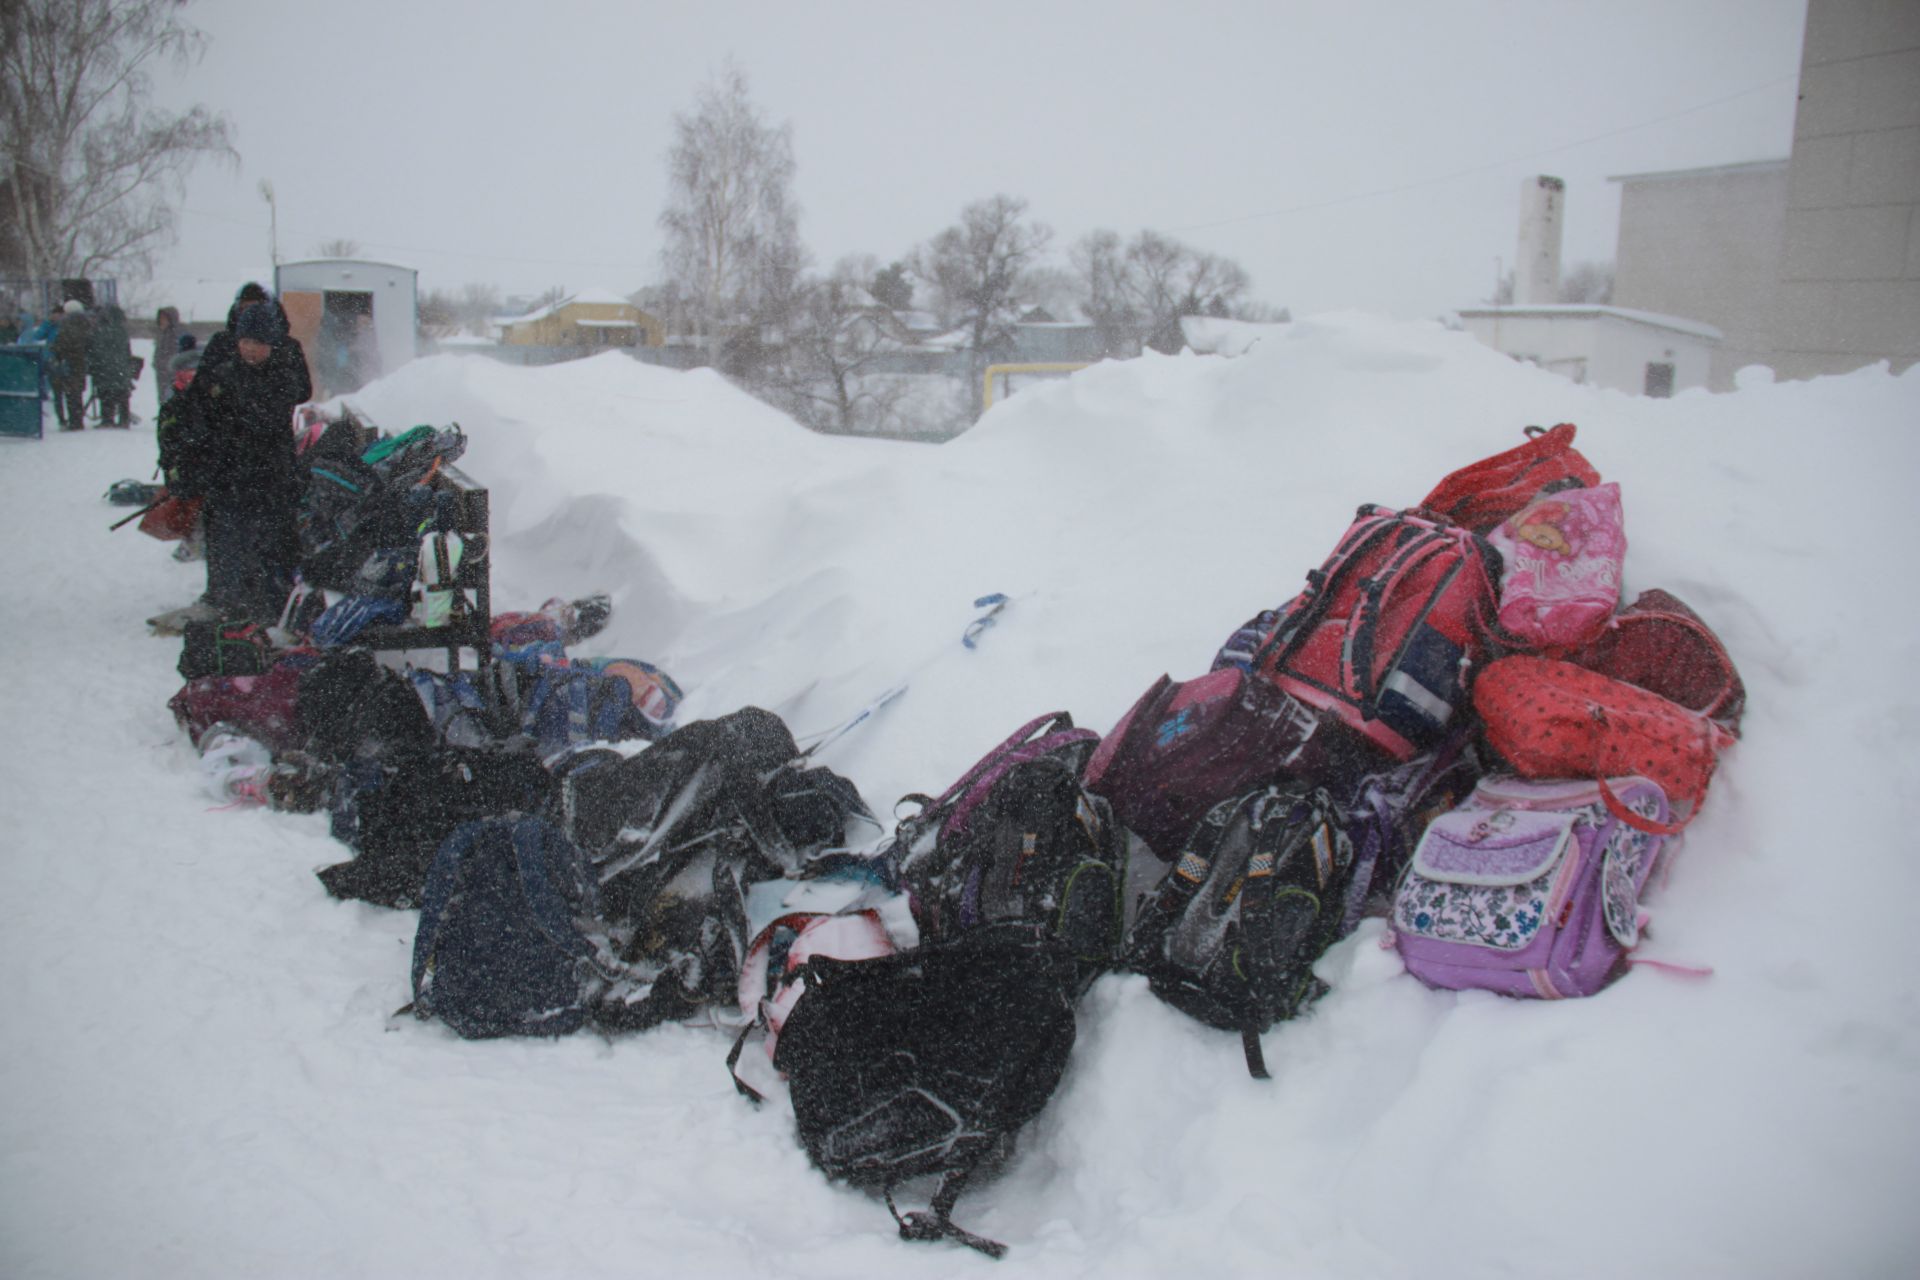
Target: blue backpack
{"x":571,"y":706}
{"x":507,"y":943}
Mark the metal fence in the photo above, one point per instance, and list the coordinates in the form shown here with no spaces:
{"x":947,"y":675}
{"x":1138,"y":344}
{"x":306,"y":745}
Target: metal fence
{"x":40,"y":297}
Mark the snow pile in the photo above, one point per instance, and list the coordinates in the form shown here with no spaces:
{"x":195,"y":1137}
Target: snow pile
{"x":205,"y":1081}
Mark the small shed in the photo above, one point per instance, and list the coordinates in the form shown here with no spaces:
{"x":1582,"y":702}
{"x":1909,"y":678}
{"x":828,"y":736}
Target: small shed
{"x":356,"y":319}
{"x":1638,"y":352}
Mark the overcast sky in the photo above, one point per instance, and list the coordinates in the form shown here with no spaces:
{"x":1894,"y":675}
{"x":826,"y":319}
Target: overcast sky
{"x":1348,"y":154}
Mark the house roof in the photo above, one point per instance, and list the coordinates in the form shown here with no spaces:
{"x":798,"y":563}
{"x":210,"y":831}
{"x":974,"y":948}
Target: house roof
{"x":1575,"y":311}
{"x":593,"y":297}
{"x":601,"y":297}
{"x":1668,"y":175}
{"x":348,"y":262}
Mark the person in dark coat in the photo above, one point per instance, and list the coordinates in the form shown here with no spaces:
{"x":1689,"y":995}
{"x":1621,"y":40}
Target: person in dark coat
{"x":166,"y":344}
{"x":229,"y":440}
{"x":110,"y":365}
{"x":71,"y":342}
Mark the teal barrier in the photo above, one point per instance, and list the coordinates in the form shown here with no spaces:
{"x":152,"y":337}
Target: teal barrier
{"x":22,"y":388}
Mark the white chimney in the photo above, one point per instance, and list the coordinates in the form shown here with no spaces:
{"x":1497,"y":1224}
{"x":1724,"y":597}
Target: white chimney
{"x":1536,"y":269}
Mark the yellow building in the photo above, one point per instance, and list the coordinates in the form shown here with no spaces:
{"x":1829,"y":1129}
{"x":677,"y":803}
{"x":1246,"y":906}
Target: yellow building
{"x":591,"y":318}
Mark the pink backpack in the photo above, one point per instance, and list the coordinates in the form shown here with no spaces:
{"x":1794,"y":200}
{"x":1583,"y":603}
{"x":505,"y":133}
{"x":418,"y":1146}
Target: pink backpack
{"x":1563,"y":553}
{"x":262,"y":706}
{"x":1529,"y":888}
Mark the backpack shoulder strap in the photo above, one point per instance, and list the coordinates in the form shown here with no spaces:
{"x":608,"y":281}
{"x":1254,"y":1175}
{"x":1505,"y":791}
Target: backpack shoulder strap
{"x":1321,"y":584}
{"x":937,"y":1222}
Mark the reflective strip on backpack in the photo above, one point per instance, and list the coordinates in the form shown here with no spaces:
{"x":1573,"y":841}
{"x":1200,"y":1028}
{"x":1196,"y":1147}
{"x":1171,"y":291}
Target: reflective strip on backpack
{"x":1424,"y":699}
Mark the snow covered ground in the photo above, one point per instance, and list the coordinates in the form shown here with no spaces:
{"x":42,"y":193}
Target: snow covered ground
{"x":201,"y":1079}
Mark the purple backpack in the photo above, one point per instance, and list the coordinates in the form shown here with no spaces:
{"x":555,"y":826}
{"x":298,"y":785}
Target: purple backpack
{"x":1387,"y":813}
{"x":1185,"y":746}
{"x":1529,"y":888}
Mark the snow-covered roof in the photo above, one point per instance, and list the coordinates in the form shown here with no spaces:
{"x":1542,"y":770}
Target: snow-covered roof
{"x":1578,"y":311}
{"x":348,"y":262}
{"x":593,"y":297}
{"x":601,"y":297}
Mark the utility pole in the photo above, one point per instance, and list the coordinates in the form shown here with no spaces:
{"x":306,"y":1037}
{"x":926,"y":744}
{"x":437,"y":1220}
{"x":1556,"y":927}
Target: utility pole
{"x":273,"y":221}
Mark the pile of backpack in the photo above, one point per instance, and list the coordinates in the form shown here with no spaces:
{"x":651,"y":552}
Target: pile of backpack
{"x":1453,"y":724}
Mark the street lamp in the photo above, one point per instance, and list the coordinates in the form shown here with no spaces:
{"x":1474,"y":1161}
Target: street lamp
{"x":273,"y":221}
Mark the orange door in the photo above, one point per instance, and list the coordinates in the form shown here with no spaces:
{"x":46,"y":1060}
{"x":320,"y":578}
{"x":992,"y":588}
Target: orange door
{"x":304,"y":309}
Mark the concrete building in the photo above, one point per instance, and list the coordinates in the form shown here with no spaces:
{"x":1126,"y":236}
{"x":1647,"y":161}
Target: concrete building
{"x":1638,"y":352}
{"x":1705,"y":243}
{"x":1810,"y":264}
{"x":1850,"y":256}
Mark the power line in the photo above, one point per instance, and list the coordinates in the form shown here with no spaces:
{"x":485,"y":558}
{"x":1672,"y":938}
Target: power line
{"x":441,"y":253}
{"x":1490,"y":165}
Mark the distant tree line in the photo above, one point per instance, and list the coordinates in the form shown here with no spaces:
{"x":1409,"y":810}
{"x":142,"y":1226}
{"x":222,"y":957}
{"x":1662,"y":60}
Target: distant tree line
{"x":736,"y":276}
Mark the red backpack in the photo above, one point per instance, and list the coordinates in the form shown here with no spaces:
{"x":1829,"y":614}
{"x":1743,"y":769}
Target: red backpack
{"x":1551,"y":719}
{"x":1664,"y":647}
{"x":1483,"y":494}
{"x":1389,"y":631}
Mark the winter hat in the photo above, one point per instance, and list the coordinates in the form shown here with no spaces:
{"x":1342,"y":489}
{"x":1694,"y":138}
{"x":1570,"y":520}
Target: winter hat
{"x":72,"y":307}
{"x":187,"y":342}
{"x":257,"y":322}
{"x":251,"y":291}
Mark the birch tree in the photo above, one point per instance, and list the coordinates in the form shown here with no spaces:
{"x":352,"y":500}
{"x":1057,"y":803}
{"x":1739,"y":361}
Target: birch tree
{"x":87,"y":166}
{"x":731,"y":225}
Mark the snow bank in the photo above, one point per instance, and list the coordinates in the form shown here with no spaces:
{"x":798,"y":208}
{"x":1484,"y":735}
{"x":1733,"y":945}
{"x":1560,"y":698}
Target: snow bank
{"x":205,"y":1082}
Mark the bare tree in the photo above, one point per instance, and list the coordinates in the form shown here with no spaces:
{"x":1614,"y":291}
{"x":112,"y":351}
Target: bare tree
{"x":444,"y":313}
{"x":86,"y":165}
{"x":833,"y":353}
{"x":337,"y":249}
{"x":1171,"y":280}
{"x":1099,"y":263}
{"x":475,"y":308}
{"x":1139,"y":292}
{"x":980,"y":268}
{"x":1582,"y":284}
{"x":732,"y":228}
{"x":433,"y":314}
{"x":1588,"y":283}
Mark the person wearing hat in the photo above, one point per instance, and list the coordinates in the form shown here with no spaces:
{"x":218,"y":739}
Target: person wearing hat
{"x":70,"y":343}
{"x":231,"y":443}
{"x":166,"y":339}
{"x":110,"y":365}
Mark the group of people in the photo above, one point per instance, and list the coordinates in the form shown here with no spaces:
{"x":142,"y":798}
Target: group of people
{"x":85,"y":344}
{"x":226,"y":437}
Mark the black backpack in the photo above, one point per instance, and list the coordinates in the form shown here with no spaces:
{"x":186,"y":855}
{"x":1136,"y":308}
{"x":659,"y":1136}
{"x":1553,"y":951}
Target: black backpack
{"x":678,"y":833}
{"x":1258,"y":894}
{"x":928,"y":1062}
{"x":347,"y":512}
{"x":225,"y":649}
{"x":350,"y":705}
{"x":1019,"y":839}
{"x":395,"y":814}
